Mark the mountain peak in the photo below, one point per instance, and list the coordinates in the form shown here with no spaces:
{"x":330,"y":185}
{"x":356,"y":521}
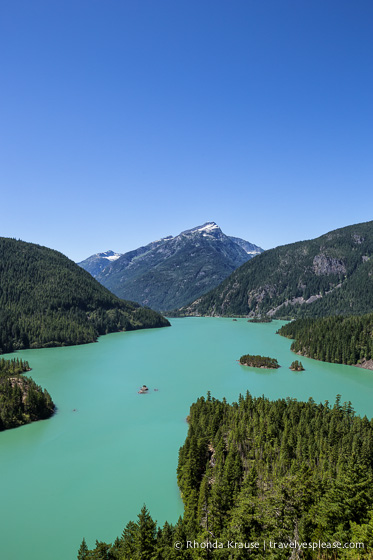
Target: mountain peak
{"x":173,"y":271}
{"x":109,"y":255}
{"x":208,"y":227}
{"x":330,"y":275}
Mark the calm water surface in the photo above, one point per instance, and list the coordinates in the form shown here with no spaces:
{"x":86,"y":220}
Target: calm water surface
{"x":88,"y":470}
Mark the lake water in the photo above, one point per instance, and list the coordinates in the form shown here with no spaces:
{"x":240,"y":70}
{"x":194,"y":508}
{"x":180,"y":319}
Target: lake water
{"x":89,"y":469}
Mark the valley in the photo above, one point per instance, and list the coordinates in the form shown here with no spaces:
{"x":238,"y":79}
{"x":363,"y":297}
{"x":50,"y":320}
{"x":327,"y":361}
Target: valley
{"x":92,"y":463}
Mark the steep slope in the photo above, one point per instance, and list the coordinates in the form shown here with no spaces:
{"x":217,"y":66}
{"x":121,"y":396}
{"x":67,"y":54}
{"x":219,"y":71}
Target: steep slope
{"x":173,"y":271}
{"x":48,"y":300}
{"x":330,"y":275}
{"x":96,"y":263}
{"x":249,"y":248}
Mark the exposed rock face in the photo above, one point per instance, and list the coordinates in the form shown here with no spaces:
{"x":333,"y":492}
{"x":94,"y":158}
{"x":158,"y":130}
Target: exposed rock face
{"x":332,"y":274}
{"x":328,"y":265}
{"x":365,"y":364}
{"x":358,"y":239}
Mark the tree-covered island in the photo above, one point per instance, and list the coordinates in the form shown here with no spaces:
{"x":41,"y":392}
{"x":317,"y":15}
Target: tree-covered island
{"x":296,"y":366}
{"x":21,"y":400}
{"x":259,"y":361}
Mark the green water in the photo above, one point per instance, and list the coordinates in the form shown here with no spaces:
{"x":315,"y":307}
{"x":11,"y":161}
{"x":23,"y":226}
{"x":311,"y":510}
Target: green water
{"x":88,"y":472}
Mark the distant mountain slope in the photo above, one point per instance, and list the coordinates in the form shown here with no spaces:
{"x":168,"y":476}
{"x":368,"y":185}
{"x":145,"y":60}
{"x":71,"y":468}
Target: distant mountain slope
{"x":173,"y":271}
{"x":96,"y":263}
{"x":48,"y":300}
{"x":249,"y":248}
{"x":330,"y":275}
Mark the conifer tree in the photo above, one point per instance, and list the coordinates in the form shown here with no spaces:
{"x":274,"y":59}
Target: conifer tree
{"x":83,"y":552}
{"x":145,"y":536}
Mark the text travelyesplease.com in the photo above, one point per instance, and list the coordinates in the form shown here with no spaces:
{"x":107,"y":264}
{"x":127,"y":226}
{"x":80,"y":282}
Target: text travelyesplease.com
{"x":268,"y":544}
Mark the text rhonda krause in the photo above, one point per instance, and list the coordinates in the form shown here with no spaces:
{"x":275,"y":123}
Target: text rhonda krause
{"x":219,"y":544}
{"x":273,"y":544}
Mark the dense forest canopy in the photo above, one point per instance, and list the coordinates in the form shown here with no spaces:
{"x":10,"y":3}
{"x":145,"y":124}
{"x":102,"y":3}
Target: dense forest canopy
{"x":280,"y":470}
{"x":48,"y":300}
{"x":259,"y":361}
{"x":341,"y":340}
{"x":21,"y":399}
{"x":330,"y":275}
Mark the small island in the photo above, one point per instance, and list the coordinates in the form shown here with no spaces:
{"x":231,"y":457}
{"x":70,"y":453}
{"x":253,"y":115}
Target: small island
{"x":260,"y":320}
{"x":259,"y":361}
{"x":296,"y":366}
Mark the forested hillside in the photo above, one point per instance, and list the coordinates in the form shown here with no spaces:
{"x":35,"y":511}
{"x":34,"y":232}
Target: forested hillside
{"x":258,"y":470}
{"x":48,"y":300}
{"x":21,"y":399}
{"x":330,"y":275}
{"x":338,"y":339}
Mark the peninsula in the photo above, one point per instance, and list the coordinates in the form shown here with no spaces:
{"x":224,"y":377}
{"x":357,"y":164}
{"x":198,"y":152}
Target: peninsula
{"x":21,"y":400}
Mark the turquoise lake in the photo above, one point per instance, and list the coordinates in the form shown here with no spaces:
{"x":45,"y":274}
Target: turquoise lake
{"x":89,"y":469}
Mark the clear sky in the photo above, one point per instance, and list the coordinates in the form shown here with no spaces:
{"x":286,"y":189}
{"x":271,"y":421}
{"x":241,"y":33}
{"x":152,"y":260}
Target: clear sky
{"x":123,"y":121}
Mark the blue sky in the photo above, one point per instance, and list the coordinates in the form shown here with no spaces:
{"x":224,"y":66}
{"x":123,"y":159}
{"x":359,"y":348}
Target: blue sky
{"x":126,"y":121}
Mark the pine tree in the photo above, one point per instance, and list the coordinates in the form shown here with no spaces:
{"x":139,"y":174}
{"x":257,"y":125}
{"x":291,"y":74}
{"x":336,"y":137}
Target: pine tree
{"x":128,"y":540}
{"x":83,"y":552}
{"x":145,"y":538}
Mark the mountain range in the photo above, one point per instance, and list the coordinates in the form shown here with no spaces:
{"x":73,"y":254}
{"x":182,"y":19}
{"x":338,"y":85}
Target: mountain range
{"x":330,"y":275}
{"x":173,"y":271}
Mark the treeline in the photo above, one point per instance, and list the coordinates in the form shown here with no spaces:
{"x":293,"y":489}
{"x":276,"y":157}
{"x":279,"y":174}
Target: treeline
{"x":259,"y":361}
{"x":341,"y":340}
{"x":21,"y":399}
{"x":48,"y":300}
{"x":283,"y":471}
{"x":13,"y":367}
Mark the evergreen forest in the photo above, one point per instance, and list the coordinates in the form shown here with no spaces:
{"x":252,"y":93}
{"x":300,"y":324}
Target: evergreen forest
{"x":256,"y":470}
{"x":330,"y":275}
{"x":259,"y":361}
{"x":21,"y":400}
{"x":338,"y":339}
{"x":48,"y":300}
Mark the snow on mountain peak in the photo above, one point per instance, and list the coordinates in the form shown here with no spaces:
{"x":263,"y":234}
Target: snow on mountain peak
{"x":205,"y":229}
{"x":112,"y":257}
{"x":209,"y":226}
{"x":109,"y":255}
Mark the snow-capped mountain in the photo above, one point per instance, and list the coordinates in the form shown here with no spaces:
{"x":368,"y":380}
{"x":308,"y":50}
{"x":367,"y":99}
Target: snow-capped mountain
{"x":173,"y":271}
{"x":96,"y":263}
